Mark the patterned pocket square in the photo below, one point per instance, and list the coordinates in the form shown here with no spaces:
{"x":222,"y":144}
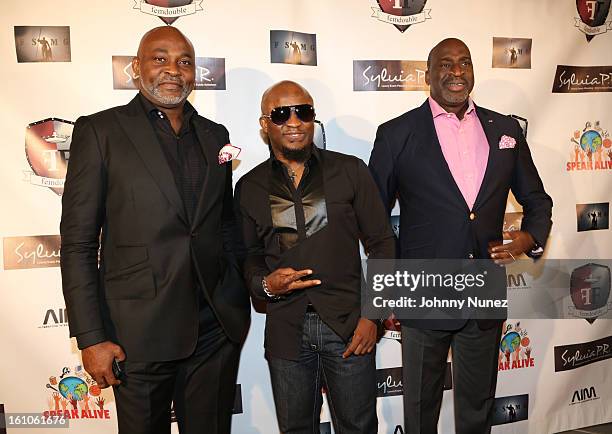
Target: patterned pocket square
{"x":228,"y":153}
{"x":507,"y":142}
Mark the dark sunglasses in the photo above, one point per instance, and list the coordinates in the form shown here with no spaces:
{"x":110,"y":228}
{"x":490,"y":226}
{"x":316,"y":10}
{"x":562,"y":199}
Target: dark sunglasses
{"x":280,"y":115}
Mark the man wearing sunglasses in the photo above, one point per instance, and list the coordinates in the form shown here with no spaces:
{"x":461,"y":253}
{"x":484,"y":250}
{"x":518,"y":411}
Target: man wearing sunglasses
{"x":452,"y":165}
{"x":303,"y":212}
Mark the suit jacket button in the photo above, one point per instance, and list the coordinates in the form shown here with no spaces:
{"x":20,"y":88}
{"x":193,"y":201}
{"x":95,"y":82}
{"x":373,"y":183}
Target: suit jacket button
{"x":472,"y":216}
{"x":471,"y":256}
{"x":194,"y":234}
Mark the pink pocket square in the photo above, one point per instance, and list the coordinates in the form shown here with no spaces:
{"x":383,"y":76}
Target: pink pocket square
{"x":507,"y":142}
{"x":228,"y":153}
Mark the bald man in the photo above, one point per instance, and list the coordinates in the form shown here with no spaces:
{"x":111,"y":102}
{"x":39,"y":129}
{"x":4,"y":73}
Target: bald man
{"x":166,"y":303}
{"x":303,"y":212}
{"x":451,"y":165}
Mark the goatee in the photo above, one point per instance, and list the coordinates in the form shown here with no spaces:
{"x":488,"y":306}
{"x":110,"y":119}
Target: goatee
{"x":297,"y":155}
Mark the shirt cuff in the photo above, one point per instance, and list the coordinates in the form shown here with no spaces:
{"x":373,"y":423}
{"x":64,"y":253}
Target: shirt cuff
{"x":90,"y":338}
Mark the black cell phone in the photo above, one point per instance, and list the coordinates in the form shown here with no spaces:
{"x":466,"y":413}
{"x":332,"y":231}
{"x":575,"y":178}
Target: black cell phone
{"x":117,"y":372}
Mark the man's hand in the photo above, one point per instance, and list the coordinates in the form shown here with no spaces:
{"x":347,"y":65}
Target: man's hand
{"x":522,"y":242}
{"x":98,"y":362}
{"x":364,"y":338}
{"x":286,"y":280}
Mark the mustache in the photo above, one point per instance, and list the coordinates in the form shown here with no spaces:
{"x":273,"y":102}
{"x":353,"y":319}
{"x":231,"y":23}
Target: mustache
{"x":165,"y":78}
{"x":454,"y":80}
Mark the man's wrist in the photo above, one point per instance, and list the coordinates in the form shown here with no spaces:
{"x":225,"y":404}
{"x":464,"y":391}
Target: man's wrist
{"x":90,"y":338}
{"x":535,"y":250}
{"x":266,"y":289}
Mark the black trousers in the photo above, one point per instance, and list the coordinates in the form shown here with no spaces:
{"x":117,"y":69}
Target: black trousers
{"x":475,"y":361}
{"x":202,"y":387}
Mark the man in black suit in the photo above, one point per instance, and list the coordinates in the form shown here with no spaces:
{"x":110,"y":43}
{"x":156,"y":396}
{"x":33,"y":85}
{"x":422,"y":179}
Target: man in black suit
{"x":146,"y":186}
{"x":451,"y":164}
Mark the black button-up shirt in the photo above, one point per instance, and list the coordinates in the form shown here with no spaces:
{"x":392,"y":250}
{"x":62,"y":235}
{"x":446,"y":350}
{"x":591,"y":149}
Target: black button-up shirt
{"x":188,"y":165}
{"x":317,"y":226}
{"x":183,"y":153}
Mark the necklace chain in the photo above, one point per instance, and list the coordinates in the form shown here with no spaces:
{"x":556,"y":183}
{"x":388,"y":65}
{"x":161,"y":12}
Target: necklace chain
{"x":292,"y":174}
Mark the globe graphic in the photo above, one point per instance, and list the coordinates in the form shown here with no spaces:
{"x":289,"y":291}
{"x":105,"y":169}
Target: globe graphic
{"x":73,"y":388}
{"x":590,"y":141}
{"x":511,"y":342}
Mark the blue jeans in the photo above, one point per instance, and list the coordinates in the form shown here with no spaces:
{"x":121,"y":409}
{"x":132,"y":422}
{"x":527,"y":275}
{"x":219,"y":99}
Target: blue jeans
{"x":351,"y":384}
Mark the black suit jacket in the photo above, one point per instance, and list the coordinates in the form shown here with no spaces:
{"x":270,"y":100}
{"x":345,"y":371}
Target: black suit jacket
{"x":120,"y":196}
{"x":408,"y":164}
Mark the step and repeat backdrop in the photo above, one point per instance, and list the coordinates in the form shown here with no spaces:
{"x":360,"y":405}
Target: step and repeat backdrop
{"x":548,"y":63}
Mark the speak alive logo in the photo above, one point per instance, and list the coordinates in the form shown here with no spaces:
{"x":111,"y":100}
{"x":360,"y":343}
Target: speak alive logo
{"x":169,"y":10}
{"x":515,"y":348}
{"x":47,"y":148}
{"x":401,"y":13}
{"x":591,"y":148}
{"x":73,"y":394}
{"x":592,"y":15}
{"x":590,"y":292}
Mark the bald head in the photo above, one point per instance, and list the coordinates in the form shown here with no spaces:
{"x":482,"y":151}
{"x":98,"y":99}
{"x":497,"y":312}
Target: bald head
{"x":281,"y":91}
{"x":441,"y":45}
{"x":162,"y":32}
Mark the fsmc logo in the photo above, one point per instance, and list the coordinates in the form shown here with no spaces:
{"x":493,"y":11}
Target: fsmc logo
{"x":55,"y":318}
{"x":583,"y":395}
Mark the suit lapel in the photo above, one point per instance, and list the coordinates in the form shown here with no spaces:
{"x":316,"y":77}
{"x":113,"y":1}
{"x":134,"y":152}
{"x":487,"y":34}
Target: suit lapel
{"x":490,"y":130}
{"x":138,"y":129}
{"x":434,"y":154}
{"x":215,"y":172}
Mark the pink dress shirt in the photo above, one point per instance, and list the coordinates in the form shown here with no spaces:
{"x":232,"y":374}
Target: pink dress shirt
{"x":465,"y":148}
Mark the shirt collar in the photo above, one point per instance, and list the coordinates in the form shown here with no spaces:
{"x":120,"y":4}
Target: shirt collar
{"x":437,"y":110}
{"x":150,"y":109}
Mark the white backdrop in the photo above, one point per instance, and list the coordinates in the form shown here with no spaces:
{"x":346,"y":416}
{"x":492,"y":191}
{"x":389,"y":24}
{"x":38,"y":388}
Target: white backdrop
{"x":239,"y":31}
